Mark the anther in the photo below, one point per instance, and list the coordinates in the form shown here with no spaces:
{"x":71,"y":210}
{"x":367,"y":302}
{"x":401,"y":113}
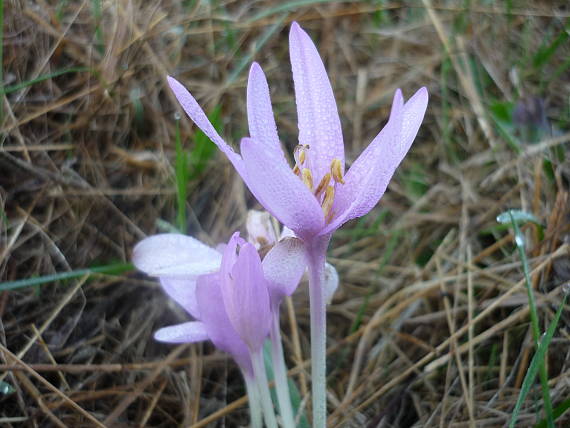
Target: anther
{"x":307,"y":178}
{"x":322,"y":185}
{"x":328,"y":200}
{"x":296,"y":171}
{"x":336,"y":171}
{"x":300,"y":154}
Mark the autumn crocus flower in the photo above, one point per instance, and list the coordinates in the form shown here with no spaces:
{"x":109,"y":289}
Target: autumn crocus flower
{"x":233,"y":296}
{"x":314,"y":197}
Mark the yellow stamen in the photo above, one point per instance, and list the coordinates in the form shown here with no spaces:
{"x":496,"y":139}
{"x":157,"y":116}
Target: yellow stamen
{"x":328,"y":200}
{"x":296,"y":171}
{"x":329,"y":217}
{"x":336,"y":171}
{"x":308,"y":178}
{"x":322,"y":185}
{"x":300,"y":154}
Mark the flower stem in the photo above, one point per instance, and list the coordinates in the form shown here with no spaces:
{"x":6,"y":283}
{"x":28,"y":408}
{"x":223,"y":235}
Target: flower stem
{"x":316,"y":255}
{"x":253,"y":400}
{"x":280,"y":372}
{"x":263,"y":388}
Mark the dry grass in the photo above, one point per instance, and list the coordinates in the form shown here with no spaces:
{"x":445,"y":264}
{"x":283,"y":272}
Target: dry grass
{"x":86,"y":159}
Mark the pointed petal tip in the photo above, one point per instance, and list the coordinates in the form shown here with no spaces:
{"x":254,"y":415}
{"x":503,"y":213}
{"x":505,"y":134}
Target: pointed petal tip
{"x":423,"y":93}
{"x":188,"y":332}
{"x":255,"y":67}
{"x":296,"y":33}
{"x":172,"y":82}
{"x":398,"y":95}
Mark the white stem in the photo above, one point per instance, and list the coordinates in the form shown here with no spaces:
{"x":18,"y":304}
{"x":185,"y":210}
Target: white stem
{"x":280,"y":372}
{"x":263,"y":388}
{"x":316,"y":254}
{"x":253,"y":400}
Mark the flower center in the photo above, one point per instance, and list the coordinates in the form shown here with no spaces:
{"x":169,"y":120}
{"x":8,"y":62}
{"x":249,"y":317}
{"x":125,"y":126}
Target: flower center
{"x":325,"y":190}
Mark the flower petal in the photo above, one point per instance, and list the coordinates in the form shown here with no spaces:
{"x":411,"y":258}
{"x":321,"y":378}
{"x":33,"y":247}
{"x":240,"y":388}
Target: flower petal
{"x":331,"y":282}
{"x":188,"y":332}
{"x":368,"y":177}
{"x":195,"y":112}
{"x":319,"y":123}
{"x":259,"y":228}
{"x":259,"y":112}
{"x":246,"y":298}
{"x":229,"y":257}
{"x":183,"y":292}
{"x":215,"y":319}
{"x":283,"y":267}
{"x":171,"y":254}
{"x":280,"y":191}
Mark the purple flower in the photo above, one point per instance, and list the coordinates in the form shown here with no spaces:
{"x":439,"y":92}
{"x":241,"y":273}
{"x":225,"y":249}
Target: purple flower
{"x":231,"y":295}
{"x":314,"y":197}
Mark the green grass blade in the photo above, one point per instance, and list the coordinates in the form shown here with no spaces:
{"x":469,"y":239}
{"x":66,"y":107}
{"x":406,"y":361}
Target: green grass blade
{"x":97,"y":13}
{"x":2,"y":61}
{"x":519,"y":241}
{"x":293,"y":391}
{"x":204,"y":149}
{"x":546,"y":51}
{"x":519,"y":216}
{"x":534,"y":367}
{"x":557,"y":412}
{"x":287,"y":7}
{"x":17,"y":87}
{"x":181,"y":176}
{"x":391,"y":246}
{"x":112,"y":269}
{"x":246,"y":59}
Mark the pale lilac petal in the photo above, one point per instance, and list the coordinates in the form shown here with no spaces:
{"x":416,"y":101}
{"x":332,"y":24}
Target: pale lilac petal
{"x":414,"y":112}
{"x":195,"y":112}
{"x":188,"y":332}
{"x":246,"y":298}
{"x":287,"y":233}
{"x":260,"y":231}
{"x":229,"y":256}
{"x":183,"y":292}
{"x":215,"y":319}
{"x":280,"y":191}
{"x":259,"y":112}
{"x":331,"y":282}
{"x":319,"y":123}
{"x":283,"y":267}
{"x":368,"y":177}
{"x":172,"y":254}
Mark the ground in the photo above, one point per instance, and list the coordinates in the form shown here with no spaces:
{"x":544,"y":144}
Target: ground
{"x":432,"y":323}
